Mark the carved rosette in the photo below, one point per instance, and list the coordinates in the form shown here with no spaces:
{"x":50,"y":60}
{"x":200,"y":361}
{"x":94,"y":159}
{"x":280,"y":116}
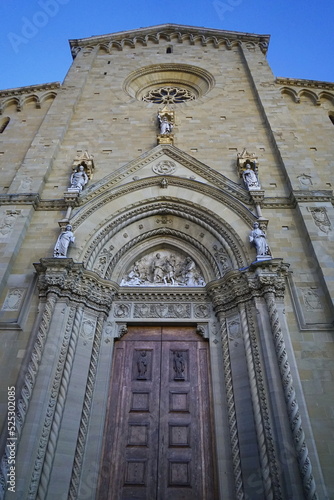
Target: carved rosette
{"x":65,"y":278}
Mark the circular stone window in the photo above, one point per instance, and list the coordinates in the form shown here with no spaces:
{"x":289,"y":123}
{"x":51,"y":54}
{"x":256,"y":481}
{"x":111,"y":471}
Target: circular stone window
{"x":169,"y":83}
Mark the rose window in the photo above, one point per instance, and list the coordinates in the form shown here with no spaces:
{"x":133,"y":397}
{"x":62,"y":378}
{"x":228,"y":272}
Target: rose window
{"x":168,"y":95}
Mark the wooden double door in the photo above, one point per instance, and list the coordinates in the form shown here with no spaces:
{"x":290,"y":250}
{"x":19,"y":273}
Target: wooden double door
{"x":158,"y":436}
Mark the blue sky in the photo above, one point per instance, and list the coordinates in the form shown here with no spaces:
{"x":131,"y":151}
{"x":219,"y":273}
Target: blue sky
{"x":35,"y":33}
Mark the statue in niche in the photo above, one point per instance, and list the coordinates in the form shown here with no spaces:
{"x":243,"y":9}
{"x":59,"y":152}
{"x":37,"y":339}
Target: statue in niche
{"x":250,"y":178}
{"x":142,"y":366}
{"x":64,"y":239}
{"x":258,"y":239}
{"x":79,"y":179}
{"x":179,"y":365}
{"x":166,"y":126}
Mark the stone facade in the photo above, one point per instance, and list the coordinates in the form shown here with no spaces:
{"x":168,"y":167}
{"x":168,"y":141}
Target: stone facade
{"x":179,"y":193}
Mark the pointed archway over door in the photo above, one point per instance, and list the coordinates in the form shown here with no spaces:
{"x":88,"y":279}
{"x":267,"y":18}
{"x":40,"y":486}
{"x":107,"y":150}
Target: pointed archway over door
{"x":158,"y":434}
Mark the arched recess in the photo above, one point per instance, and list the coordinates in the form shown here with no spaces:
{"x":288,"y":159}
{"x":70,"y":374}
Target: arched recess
{"x":125,"y":236}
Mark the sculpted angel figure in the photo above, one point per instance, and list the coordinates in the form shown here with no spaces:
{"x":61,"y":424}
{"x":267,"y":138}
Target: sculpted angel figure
{"x":64,"y":239}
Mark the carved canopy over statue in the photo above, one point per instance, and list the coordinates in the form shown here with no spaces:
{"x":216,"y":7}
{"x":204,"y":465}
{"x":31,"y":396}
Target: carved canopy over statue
{"x":247,"y":165}
{"x":164,"y":268}
{"x":82,"y":171}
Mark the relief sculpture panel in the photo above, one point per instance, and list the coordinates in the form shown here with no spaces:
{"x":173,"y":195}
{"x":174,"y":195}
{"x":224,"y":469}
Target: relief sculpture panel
{"x":164,"y":268}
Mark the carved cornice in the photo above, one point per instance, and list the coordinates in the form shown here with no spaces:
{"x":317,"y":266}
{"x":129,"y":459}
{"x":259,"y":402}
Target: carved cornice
{"x":31,"y":89}
{"x":20,"y":199}
{"x":169,"y":32}
{"x":163,"y":294}
{"x":241,"y":286}
{"x":311,"y":84}
{"x":68,"y":279}
{"x":324,"y":195}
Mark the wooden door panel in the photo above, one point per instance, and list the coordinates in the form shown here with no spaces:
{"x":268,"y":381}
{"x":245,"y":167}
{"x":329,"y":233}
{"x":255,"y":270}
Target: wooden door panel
{"x":158,"y":435}
{"x":133,"y":424}
{"x":179,"y":424}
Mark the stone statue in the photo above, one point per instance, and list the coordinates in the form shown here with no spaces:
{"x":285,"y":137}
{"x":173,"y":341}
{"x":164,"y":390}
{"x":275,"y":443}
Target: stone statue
{"x":158,"y":271}
{"x":250,"y":178}
{"x":79,"y":179}
{"x":166,"y":126}
{"x":258,"y":239}
{"x":169,"y":269}
{"x":64,"y":239}
{"x":190,"y":272}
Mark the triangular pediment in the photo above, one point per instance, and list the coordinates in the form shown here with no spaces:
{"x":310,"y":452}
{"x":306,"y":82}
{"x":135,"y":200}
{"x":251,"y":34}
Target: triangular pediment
{"x":165,"y":162}
{"x":170,"y":31}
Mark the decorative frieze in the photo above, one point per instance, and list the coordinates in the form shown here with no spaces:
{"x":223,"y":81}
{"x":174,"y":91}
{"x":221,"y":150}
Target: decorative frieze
{"x":162,"y":310}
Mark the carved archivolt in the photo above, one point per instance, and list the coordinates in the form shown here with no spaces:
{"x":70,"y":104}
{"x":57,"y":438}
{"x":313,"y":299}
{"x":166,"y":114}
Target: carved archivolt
{"x":228,"y":255}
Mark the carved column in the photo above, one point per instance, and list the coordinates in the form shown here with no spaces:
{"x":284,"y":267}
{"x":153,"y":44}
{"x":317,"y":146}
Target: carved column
{"x":74,"y":298}
{"x":269,"y":387}
{"x":260,"y":409}
{"x":29,"y":379}
{"x":86,"y":410}
{"x":304,"y":462}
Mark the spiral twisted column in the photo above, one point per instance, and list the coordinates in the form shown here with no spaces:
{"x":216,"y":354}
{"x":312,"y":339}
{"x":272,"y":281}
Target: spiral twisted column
{"x":232,"y":417}
{"x":256,"y":403}
{"x":304,"y":462}
{"x":59,"y":408}
{"x":256,"y":364}
{"x":85,"y":415}
{"x":29,"y":381}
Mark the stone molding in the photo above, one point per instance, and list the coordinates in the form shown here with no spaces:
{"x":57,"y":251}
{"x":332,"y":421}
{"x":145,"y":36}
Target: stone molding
{"x":315,"y":84}
{"x":197,"y":167}
{"x":168,"y":32}
{"x":21,"y":96}
{"x":170,"y":207}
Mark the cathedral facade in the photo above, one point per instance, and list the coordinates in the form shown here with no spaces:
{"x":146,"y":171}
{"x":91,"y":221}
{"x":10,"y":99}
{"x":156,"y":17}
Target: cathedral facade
{"x":167,"y":278}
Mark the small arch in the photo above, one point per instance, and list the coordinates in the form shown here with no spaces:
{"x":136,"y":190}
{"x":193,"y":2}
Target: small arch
{"x":3,"y":124}
{"x":331,"y":117}
{"x":287,"y":91}
{"x":169,"y":49}
{"x":308,"y":96}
